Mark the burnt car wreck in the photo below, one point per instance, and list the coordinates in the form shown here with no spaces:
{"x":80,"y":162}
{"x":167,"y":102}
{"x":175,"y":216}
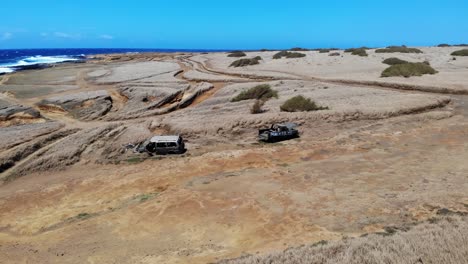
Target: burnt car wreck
{"x":278,"y":132}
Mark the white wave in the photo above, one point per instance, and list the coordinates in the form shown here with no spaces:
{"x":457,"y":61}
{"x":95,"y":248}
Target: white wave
{"x":7,"y":68}
{"x":44,"y":59}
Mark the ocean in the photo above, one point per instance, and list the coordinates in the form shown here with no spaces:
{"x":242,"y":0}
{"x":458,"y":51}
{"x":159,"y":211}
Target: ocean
{"x":12,"y":60}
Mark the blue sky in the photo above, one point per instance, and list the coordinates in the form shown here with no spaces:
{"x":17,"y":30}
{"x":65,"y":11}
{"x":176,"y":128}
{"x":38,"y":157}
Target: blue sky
{"x":226,"y":24}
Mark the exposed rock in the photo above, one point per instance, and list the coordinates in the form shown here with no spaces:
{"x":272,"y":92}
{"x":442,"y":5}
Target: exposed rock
{"x":13,"y":114}
{"x":83,"y":106}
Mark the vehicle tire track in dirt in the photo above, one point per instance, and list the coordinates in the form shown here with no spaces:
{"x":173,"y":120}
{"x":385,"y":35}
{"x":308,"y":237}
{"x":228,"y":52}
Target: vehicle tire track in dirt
{"x":371,"y":84}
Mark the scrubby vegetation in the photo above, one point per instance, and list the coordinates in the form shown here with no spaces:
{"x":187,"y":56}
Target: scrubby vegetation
{"x":299,"y":49}
{"x":360,"y":52}
{"x":408,"y":70}
{"x":288,"y":55}
{"x":246,"y":62}
{"x":257,"y":107}
{"x":443,"y":45}
{"x":400,"y":49}
{"x":394,"y":61}
{"x":260,"y":92}
{"x":326,"y":50}
{"x":334,"y":54}
{"x":463,"y":52}
{"x":300,"y":104}
{"x":441,"y":240}
{"x":237,"y":54}
{"x":354,"y":49}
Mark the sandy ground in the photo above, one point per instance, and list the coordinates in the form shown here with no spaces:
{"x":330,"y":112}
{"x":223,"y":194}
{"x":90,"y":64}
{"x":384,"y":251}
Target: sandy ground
{"x":379,"y":156}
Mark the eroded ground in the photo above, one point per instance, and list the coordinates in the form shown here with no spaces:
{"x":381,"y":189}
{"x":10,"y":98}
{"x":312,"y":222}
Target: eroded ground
{"x":378,"y":157}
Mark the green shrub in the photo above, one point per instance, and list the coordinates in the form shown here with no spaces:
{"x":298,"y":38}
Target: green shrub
{"x":394,"y":61}
{"x":408,"y":70}
{"x":257,"y":107}
{"x":443,"y":45}
{"x":237,"y":54}
{"x":325,"y":50}
{"x":299,"y":49}
{"x":354,"y":49}
{"x":334,"y":54}
{"x":463,"y":52}
{"x":259,"y":92}
{"x":359,"y":52}
{"x":288,"y":55}
{"x":400,"y":49}
{"x":300,"y":104}
{"x":246,"y":62}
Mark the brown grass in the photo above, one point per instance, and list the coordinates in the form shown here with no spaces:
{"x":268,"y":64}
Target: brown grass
{"x":257,"y":107}
{"x":442,"y":240}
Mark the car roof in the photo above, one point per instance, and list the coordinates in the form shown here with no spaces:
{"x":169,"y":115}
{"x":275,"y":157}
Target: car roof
{"x":164,"y":139}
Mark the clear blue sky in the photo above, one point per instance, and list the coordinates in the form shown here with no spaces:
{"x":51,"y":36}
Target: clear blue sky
{"x":228,"y":24}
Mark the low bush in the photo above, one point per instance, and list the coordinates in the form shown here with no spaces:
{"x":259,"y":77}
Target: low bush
{"x":300,"y":104}
{"x":463,"y":52}
{"x":288,"y":55}
{"x":354,"y":49}
{"x":299,"y":49}
{"x":260,"y":92}
{"x":408,"y":70}
{"x":334,"y":54}
{"x":400,"y":49}
{"x":257,"y":107}
{"x":246,"y":62}
{"x":325,"y":50}
{"x":237,"y":54}
{"x":394,"y":61}
{"x":359,"y":52}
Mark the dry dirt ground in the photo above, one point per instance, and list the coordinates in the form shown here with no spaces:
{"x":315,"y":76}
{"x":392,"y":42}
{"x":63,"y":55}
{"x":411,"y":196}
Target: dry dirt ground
{"x":385,"y":154}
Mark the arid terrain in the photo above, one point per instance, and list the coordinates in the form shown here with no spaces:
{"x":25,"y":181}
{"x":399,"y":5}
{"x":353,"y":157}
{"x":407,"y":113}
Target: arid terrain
{"x":388,"y":152}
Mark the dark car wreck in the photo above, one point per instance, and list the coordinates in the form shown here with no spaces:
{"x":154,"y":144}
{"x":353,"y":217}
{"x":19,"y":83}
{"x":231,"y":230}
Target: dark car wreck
{"x":278,"y":132}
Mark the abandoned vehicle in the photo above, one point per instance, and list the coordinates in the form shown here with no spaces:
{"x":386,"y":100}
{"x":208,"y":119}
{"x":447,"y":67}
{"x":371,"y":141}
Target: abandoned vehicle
{"x":278,"y":132}
{"x":163,"y":145}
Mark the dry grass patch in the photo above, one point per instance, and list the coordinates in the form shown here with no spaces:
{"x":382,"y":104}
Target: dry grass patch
{"x":408,"y":70}
{"x":299,"y":49}
{"x":360,"y":52}
{"x":236,"y":54}
{"x":300,"y":104}
{"x":260,"y":92}
{"x":463,"y":52}
{"x":394,"y":61}
{"x":257,"y":107}
{"x":246,"y":62}
{"x":288,"y":55}
{"x":400,"y":49}
{"x":443,"y":240}
{"x":354,"y":49}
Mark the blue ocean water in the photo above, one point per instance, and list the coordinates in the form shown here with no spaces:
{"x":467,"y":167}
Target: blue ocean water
{"x":12,"y":60}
